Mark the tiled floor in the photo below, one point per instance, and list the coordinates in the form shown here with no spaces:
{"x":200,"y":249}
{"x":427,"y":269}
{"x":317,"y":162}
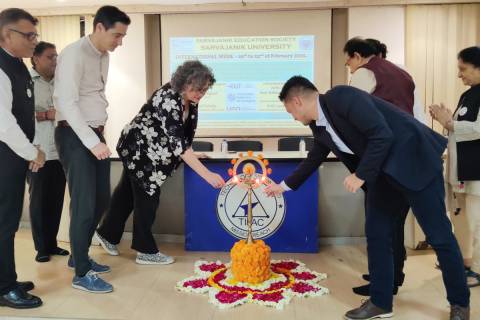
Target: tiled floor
{"x":147,"y":292}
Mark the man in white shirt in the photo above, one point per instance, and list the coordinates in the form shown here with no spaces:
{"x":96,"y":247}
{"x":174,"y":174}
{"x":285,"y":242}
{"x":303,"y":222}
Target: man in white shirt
{"x":79,"y":98}
{"x":18,"y":38}
{"x":47,"y":186}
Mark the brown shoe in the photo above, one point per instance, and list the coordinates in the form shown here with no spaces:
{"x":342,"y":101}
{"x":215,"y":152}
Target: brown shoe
{"x":368,"y":311}
{"x":459,"y":313}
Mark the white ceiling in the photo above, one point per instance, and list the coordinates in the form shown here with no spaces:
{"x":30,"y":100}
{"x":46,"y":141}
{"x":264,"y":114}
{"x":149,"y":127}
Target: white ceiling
{"x":81,"y":3}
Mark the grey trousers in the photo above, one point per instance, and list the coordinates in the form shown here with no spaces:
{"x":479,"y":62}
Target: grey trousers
{"x":89,"y":186}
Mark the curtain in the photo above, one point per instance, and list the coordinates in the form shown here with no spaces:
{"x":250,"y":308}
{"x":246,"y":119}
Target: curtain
{"x":59,"y":30}
{"x":434,"y":36}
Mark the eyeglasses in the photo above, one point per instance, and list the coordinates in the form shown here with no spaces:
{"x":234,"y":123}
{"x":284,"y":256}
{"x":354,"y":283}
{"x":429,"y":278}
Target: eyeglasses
{"x":202,"y":90}
{"x":30,"y":36}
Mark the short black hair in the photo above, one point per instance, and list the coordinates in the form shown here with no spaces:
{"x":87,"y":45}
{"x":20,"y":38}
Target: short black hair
{"x":470,"y":55}
{"x":359,"y":45}
{"x":297,"y":84}
{"x":13,"y":15}
{"x":380,"y":48}
{"x":39,"y":49}
{"x":108,"y":16}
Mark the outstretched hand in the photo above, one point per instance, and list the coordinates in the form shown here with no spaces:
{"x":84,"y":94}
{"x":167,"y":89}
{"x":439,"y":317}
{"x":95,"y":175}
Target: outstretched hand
{"x":273,"y":189}
{"x":215,"y":180}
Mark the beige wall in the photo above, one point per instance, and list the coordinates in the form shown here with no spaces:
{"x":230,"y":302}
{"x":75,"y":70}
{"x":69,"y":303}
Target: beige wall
{"x":153,"y":53}
{"x":126,"y":84}
{"x":339,"y":37}
{"x":386,"y":24}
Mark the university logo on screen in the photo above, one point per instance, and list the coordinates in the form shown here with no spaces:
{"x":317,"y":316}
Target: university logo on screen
{"x":232,"y":208}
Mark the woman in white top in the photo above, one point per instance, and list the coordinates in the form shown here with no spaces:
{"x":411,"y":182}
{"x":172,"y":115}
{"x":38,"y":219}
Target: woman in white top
{"x":463,"y":171}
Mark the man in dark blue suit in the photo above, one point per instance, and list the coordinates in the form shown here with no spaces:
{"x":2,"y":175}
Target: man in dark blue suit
{"x":398,"y":161}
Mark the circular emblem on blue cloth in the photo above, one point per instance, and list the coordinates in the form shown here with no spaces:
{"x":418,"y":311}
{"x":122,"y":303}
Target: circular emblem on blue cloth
{"x":232,"y":208}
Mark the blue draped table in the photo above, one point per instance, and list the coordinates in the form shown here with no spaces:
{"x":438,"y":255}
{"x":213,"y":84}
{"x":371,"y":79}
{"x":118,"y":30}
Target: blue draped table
{"x":205,"y":232}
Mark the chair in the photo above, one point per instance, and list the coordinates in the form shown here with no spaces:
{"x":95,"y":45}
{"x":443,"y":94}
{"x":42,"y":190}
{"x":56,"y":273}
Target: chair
{"x":293,"y":143}
{"x":245,"y":145}
{"x":203,"y":146}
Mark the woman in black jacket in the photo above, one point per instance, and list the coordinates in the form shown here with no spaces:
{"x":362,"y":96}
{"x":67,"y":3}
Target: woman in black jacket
{"x":463,"y":169}
{"x":151,"y":147}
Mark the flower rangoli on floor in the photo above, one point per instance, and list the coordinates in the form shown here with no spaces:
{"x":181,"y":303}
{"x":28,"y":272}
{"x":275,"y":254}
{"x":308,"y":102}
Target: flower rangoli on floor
{"x":288,"y":279}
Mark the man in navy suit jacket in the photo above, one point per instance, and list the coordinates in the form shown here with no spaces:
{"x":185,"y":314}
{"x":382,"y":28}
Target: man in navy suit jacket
{"x":398,"y":161}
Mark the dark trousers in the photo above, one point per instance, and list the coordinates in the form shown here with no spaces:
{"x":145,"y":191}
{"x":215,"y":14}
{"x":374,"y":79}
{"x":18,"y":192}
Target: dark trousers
{"x":89,"y":186}
{"x":428,"y":207}
{"x":398,"y":240}
{"x":47,"y":190}
{"x":13,"y":171}
{"x":126,"y":197}
{"x":399,"y":209}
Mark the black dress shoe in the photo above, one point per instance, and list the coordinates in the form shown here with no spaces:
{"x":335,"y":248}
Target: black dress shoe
{"x":59,"y":252}
{"x":25,"y":285}
{"x":42,"y":257}
{"x":398,"y":280}
{"x":365,"y":290}
{"x":19,"y":299}
{"x":368,"y":311}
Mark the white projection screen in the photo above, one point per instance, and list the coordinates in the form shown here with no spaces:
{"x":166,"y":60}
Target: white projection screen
{"x":252,"y":54}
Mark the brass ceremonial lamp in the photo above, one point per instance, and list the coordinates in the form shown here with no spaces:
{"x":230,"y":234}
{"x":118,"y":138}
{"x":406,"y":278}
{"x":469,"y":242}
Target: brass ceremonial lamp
{"x":250,"y":258}
{"x":249,"y":181}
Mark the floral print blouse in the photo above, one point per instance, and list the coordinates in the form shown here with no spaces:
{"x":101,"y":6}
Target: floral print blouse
{"x":151,"y":144}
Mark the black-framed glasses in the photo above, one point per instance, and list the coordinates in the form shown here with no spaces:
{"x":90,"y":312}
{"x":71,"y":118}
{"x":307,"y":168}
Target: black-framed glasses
{"x":30,"y":36}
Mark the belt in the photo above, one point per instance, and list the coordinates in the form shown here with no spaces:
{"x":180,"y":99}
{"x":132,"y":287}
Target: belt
{"x":64,"y":123}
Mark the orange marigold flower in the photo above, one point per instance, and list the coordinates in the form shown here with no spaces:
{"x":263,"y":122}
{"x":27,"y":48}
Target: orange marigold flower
{"x":251,"y":262}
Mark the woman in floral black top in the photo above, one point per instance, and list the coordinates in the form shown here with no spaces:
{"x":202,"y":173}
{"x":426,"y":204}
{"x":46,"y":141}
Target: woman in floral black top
{"x":151,"y":147}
